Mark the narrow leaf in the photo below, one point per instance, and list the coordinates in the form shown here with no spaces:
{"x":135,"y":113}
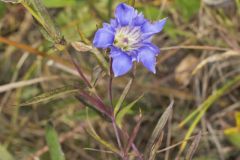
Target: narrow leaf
{"x":53,"y":94}
{"x":103,"y":142}
{"x":53,"y":143}
{"x":125,"y":111}
{"x":122,"y":97}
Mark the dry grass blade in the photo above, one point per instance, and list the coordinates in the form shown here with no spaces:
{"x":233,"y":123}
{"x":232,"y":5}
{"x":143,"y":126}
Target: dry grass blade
{"x":14,"y":85}
{"x":81,"y":47}
{"x":157,"y":131}
{"x":155,"y":147}
{"x":11,"y":1}
{"x":193,"y":146}
{"x":215,"y":58}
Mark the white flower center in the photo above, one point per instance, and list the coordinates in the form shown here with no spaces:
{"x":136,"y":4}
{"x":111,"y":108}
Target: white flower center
{"x":127,"y":38}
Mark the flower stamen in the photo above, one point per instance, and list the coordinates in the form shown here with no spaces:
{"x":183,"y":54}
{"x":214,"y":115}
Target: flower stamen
{"x":127,"y":38}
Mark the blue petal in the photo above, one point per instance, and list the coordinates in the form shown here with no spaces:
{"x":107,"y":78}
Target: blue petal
{"x":114,"y":23}
{"x":148,"y":57}
{"x":139,"y":20}
{"x":153,"y":47}
{"x":121,"y":64}
{"x":103,"y":38}
{"x":124,"y":14}
{"x":115,"y":51}
{"x":149,"y":29}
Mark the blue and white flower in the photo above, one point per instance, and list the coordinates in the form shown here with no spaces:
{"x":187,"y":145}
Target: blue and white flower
{"x":129,"y":38}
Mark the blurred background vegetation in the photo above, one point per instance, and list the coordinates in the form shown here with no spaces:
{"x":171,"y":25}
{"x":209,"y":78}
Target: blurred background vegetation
{"x":198,"y":67}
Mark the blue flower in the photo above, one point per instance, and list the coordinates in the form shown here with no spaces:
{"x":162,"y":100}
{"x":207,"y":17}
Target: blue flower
{"x":129,"y":38}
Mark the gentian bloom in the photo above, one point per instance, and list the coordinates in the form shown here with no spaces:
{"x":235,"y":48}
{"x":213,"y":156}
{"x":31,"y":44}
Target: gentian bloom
{"x":129,"y":38}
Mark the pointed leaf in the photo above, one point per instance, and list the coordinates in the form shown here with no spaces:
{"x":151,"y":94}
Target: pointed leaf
{"x":53,"y":143}
{"x":122,"y":97}
{"x":50,"y":95}
{"x":125,"y":111}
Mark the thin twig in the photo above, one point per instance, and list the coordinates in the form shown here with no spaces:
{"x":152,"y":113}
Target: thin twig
{"x":195,"y":47}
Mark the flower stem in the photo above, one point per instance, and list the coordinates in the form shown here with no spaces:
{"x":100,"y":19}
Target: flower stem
{"x":110,"y":82}
{"x":117,"y":134}
{"x":78,"y":67}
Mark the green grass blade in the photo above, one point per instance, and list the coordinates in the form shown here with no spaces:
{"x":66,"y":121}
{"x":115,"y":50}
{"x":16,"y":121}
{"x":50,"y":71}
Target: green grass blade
{"x":205,"y":106}
{"x":191,"y":116}
{"x":53,"y":143}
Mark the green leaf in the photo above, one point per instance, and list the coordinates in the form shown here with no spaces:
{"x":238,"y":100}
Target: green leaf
{"x":122,"y":97}
{"x":53,"y":94}
{"x":103,"y":142}
{"x":94,"y":134}
{"x":125,"y":111}
{"x":53,"y":143}
{"x":58,"y":3}
{"x":5,"y":155}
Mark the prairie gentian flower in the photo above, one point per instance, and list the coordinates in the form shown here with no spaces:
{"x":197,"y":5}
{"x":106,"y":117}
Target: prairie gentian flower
{"x":129,"y":38}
